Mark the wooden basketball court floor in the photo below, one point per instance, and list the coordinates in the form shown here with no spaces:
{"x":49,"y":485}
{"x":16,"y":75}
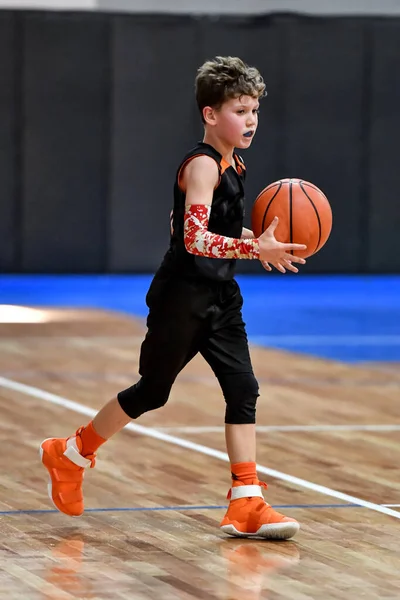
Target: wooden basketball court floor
{"x":327,"y":446}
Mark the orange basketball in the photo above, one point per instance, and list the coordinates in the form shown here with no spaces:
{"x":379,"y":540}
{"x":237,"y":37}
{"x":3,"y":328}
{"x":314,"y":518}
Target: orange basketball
{"x":305,"y":215}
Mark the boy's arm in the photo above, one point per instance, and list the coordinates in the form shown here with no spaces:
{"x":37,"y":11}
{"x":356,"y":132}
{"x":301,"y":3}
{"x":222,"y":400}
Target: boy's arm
{"x":199,"y":180}
{"x":247,"y":234}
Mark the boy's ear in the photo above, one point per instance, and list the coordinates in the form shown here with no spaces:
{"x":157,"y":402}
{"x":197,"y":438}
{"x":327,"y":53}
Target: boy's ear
{"x":209,"y":115}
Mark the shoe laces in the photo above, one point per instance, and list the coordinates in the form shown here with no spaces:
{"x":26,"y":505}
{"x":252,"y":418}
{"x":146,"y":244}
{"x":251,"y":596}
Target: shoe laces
{"x":260,"y":483}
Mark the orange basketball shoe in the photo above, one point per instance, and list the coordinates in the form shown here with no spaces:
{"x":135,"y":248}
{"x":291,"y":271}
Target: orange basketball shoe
{"x":248,"y":515}
{"x":63,"y":459}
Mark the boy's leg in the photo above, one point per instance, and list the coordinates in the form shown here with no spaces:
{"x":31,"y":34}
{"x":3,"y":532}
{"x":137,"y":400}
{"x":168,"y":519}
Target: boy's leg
{"x":226,"y":350}
{"x":171,"y":342}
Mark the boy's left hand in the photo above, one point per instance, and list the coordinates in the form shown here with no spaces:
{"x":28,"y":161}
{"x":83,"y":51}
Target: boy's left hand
{"x":266,"y":266}
{"x":288,"y":265}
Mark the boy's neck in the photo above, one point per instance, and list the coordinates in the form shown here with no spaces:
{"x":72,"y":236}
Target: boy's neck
{"x":226,"y":151}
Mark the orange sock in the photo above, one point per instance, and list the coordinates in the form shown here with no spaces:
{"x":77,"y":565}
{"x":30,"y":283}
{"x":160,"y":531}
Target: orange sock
{"x":91,"y":440}
{"x":244,"y":472}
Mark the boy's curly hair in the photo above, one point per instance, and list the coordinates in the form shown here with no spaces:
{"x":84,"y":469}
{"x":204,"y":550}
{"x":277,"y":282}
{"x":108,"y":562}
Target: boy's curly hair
{"x":226,"y":77}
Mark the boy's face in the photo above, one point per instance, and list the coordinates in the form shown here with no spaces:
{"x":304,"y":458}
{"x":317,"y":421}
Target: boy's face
{"x":236,"y":121}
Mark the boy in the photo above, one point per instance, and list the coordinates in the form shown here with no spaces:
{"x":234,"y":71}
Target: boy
{"x":195,"y":306}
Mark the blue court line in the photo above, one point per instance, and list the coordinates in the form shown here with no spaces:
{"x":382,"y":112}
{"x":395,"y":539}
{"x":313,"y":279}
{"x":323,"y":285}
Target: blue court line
{"x":160,"y":508}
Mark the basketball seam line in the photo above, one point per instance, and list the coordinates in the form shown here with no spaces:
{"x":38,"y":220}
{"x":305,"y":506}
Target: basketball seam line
{"x":269,"y":205}
{"x":317,"y":215}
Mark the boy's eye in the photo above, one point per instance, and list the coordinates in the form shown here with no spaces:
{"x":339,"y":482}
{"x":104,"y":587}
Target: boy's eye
{"x":241,"y":111}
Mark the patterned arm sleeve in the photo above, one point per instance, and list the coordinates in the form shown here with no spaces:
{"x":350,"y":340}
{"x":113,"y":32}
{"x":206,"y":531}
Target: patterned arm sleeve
{"x":198,"y":240}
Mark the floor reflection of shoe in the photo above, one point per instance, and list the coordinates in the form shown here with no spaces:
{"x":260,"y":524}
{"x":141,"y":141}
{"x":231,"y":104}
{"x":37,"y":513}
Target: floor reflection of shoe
{"x":250,"y":564}
{"x":65,"y":573}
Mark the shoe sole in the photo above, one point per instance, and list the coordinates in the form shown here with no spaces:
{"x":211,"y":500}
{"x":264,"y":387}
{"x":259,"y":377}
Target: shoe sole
{"x":50,"y":485}
{"x":273,"y":531}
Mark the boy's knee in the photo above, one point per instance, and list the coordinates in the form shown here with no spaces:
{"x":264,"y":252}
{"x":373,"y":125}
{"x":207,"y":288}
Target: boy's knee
{"x":241,"y":392}
{"x":147,"y":394}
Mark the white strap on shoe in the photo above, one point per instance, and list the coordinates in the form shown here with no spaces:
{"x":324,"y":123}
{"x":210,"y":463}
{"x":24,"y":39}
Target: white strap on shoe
{"x":74,"y":455}
{"x":246,"y":491}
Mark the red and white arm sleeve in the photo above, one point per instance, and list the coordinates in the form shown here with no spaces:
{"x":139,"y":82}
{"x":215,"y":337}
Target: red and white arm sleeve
{"x":198,"y":240}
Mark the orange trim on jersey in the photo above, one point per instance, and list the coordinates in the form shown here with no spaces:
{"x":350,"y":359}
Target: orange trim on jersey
{"x":239,"y":165}
{"x":188,"y":160}
{"x":224,"y":165}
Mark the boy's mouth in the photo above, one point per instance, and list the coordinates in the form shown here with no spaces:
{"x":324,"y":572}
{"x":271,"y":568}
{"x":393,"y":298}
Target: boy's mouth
{"x":249,"y":134}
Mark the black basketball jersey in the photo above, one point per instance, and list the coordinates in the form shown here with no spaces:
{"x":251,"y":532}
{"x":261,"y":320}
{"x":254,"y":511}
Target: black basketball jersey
{"x":226,"y":218}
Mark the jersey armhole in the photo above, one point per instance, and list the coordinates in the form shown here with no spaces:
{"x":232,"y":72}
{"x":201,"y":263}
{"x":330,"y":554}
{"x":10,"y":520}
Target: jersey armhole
{"x":221,"y":168}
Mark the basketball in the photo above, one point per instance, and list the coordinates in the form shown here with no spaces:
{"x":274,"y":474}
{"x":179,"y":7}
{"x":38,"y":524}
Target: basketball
{"x":304,"y":212}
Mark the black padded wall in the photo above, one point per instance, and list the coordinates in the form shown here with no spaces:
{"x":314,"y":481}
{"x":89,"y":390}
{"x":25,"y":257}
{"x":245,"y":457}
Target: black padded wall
{"x":383,"y":173}
{"x":10,"y":219}
{"x":154,"y":125}
{"x":66,"y":91}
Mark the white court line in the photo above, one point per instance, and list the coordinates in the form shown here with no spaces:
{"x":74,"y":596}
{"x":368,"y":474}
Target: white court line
{"x":159,"y":435}
{"x":286,"y":428}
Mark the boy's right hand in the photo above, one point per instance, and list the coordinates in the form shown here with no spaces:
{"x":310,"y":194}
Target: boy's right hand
{"x":276,"y":253}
